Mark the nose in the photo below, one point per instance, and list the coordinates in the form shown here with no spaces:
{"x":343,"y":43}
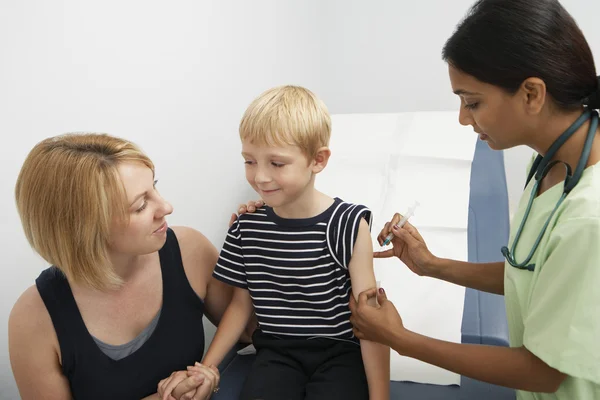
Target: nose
{"x":464,"y":117}
{"x":262,"y":175}
{"x":165,"y":208}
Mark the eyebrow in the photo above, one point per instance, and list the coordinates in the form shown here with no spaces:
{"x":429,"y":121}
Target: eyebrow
{"x":274,"y":155}
{"x":146,"y":192}
{"x":139,"y":196}
{"x":463,"y":92}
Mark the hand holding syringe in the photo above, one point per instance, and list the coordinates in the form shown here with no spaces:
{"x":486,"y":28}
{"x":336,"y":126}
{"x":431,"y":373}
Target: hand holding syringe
{"x":401,"y":223}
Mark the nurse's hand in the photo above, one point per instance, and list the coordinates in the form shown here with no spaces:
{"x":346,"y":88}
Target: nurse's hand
{"x":380,"y":323}
{"x":250,"y":207}
{"x":408,"y":246}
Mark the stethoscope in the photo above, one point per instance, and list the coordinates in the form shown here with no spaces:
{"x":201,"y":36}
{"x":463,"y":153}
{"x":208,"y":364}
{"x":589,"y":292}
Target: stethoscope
{"x":541,"y":166}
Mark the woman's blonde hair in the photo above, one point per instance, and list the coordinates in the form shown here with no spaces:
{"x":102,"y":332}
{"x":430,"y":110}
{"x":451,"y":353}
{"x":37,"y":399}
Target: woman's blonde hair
{"x":69,"y":193}
{"x":289,"y":115}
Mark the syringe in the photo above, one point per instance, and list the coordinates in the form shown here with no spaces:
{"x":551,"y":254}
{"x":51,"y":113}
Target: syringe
{"x":401,"y":223}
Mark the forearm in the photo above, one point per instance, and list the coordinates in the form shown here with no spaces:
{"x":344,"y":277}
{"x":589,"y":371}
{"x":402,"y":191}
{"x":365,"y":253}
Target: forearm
{"x":376,"y":358}
{"x":218,"y":297}
{"x":251,"y":326}
{"x":516,"y":368}
{"x":228,"y":333}
{"x":487,"y":277}
{"x":154,"y":396}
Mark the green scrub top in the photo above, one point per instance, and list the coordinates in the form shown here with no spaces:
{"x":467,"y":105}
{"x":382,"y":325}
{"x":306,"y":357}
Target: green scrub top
{"x":554,"y":311}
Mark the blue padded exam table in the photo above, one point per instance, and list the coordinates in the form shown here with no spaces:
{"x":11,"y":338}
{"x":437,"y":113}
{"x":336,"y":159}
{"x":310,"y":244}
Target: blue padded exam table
{"x":484,"y":317}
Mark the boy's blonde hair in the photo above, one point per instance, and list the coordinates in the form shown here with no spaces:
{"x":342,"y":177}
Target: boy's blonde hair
{"x":287,"y":115}
{"x":69,"y":194}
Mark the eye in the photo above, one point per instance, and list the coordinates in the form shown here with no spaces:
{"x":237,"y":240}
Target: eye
{"x":143,"y":207}
{"x":472,"y":106}
{"x":155,"y":182}
{"x":247,"y":162}
{"x":277,"y":165}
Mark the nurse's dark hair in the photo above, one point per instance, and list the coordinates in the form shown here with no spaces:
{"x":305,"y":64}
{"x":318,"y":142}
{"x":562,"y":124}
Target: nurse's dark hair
{"x":504,"y":42}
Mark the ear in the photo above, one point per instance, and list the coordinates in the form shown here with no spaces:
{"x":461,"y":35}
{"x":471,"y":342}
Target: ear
{"x":321,"y":159}
{"x":534,"y":95}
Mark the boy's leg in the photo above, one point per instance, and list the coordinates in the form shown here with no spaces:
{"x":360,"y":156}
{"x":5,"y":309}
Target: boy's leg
{"x":341,"y":375}
{"x":274,"y":375}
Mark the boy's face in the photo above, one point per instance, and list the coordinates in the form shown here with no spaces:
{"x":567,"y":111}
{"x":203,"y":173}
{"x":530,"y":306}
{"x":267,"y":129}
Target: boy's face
{"x":279,"y":174}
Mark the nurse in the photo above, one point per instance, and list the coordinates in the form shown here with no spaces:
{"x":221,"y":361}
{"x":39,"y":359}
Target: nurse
{"x":525,"y":75}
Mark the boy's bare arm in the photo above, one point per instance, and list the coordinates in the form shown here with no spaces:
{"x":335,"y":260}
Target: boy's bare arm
{"x":231,"y":327}
{"x":376,"y":357}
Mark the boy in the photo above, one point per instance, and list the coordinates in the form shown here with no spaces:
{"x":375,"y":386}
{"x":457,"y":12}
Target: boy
{"x":295,"y":263}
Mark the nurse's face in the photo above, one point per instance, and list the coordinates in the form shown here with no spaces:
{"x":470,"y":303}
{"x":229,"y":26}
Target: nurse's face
{"x":494,"y":114}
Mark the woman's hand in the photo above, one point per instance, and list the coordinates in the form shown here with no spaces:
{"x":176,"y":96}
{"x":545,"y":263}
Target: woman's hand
{"x":208,"y":387}
{"x":250,"y":207}
{"x":381,"y":323}
{"x":197,"y":383}
{"x":167,"y":385}
{"x":408,"y":246}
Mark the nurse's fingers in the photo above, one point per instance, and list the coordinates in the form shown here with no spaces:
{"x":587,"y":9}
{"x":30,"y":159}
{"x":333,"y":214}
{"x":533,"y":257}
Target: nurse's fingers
{"x":383,"y":234}
{"x":365,"y":296}
{"x":397,"y":217}
{"x":383,"y":254}
{"x":387,"y":228}
{"x":414,"y":232}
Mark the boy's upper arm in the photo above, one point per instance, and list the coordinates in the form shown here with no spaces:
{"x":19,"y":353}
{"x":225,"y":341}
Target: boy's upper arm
{"x":361,"y":271}
{"x":33,"y":349}
{"x":230,"y":266}
{"x":376,"y":357}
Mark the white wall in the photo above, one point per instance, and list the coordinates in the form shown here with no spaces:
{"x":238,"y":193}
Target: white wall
{"x":176,"y":76}
{"x":173,"y":76}
{"x":385,"y":56}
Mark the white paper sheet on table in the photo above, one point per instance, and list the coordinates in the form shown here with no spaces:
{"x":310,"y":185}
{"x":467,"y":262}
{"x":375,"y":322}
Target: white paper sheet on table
{"x":386,"y":162}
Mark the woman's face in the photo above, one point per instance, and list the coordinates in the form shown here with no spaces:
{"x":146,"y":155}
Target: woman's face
{"x":146,"y":231}
{"x":497,"y":116}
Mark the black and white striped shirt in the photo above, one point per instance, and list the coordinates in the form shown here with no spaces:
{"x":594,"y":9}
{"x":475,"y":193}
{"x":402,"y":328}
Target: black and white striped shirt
{"x":295,"y":269}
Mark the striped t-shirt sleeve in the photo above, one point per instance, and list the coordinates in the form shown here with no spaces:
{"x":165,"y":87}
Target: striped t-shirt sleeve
{"x":230,"y":266}
{"x":343,"y":231}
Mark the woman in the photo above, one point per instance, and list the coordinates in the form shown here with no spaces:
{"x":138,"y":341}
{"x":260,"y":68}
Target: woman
{"x":525,"y":76}
{"x":122,"y":306}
